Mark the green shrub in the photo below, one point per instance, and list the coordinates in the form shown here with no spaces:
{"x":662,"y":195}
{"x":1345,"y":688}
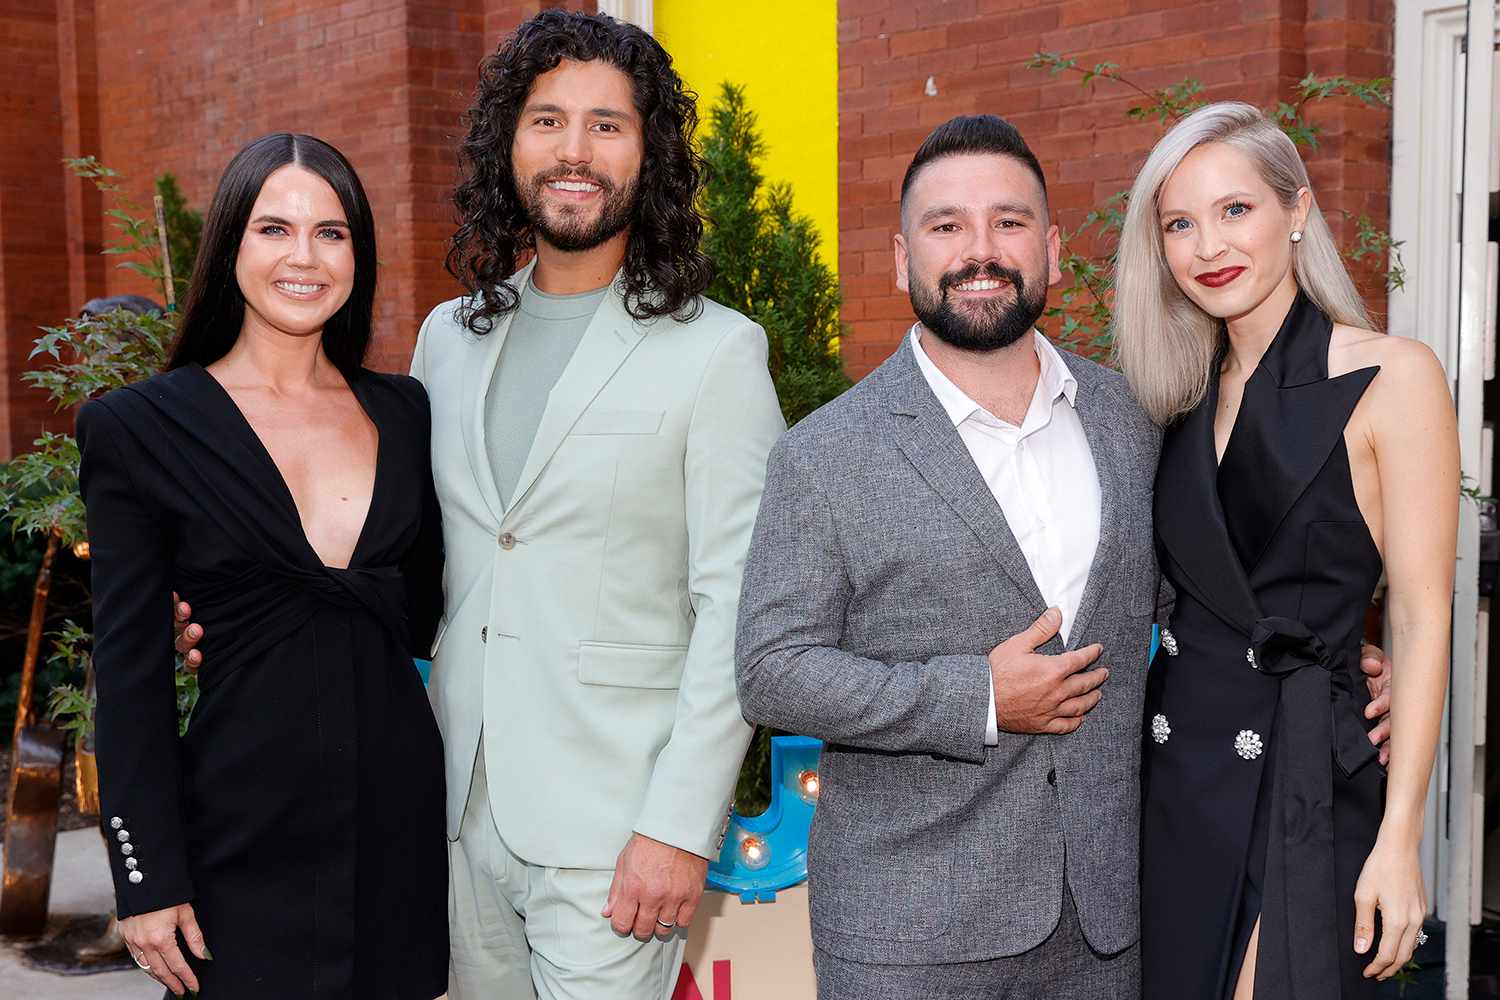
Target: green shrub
{"x":767,"y":266}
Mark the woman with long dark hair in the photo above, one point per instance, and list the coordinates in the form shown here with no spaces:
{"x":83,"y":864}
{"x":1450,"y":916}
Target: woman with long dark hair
{"x":291,"y":843}
{"x":1305,"y":455}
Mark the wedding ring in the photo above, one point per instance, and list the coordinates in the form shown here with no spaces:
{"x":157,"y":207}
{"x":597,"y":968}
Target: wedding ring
{"x":662,"y":923}
{"x":139,"y":964}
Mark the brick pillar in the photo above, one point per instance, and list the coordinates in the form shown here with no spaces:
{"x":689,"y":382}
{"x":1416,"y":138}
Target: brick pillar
{"x":34,"y":286}
{"x":79,"y":94}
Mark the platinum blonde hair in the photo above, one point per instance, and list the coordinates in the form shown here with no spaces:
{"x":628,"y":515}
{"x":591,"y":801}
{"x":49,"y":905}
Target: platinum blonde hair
{"x":1163,"y":342}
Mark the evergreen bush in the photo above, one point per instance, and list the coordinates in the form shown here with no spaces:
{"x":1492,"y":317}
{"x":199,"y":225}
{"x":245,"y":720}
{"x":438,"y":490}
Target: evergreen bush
{"x":767,"y":266}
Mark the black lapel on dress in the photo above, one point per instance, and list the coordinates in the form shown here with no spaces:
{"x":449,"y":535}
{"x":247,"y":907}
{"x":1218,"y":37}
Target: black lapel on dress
{"x":931,"y":443}
{"x":1291,"y":419}
{"x":214,"y":443}
{"x":1190,"y":523}
{"x":1097,"y":407}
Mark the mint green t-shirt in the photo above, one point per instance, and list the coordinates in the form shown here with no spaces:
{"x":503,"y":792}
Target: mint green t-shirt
{"x":543,"y":336}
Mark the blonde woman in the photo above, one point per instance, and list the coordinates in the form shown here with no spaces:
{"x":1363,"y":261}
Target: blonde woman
{"x":1303,"y":454}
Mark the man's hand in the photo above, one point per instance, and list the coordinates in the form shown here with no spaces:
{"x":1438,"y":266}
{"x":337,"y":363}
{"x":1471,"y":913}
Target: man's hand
{"x":1036,"y":693}
{"x":188,"y":634}
{"x":152,"y":940}
{"x":1377,"y":671}
{"x":656,"y":889}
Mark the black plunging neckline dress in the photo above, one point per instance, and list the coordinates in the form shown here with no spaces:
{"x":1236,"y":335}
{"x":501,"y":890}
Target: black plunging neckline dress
{"x":1262,"y":795}
{"x":302,"y":813}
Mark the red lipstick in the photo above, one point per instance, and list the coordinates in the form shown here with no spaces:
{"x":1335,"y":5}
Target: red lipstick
{"x":1220,"y":278}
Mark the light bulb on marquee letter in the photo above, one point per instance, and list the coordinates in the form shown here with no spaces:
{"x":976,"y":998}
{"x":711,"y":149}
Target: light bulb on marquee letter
{"x":808,"y":786}
{"x":755,"y":853}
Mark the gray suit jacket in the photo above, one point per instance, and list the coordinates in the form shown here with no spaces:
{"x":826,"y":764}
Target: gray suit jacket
{"x":880,"y":575}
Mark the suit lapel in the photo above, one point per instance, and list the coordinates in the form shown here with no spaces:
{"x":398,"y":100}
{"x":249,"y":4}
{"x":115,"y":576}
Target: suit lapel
{"x":1096,"y":410}
{"x":1190,"y":523}
{"x":926,"y":435}
{"x":610,"y":338}
{"x":477,"y":379}
{"x":1291,"y":419}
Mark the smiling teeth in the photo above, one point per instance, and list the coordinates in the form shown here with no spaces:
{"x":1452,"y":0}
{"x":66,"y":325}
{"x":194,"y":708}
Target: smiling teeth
{"x":979,"y":286}
{"x":298,"y":289}
{"x":573,"y":186}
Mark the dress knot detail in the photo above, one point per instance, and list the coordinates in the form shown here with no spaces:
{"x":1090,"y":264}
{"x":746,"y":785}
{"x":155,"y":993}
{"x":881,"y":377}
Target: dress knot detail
{"x":1283,"y":647}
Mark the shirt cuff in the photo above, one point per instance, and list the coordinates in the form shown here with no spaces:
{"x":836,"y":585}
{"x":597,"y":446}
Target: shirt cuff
{"x":991,"y":726}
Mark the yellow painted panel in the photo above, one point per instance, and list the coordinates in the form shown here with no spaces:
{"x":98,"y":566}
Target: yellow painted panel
{"x":785,"y":54}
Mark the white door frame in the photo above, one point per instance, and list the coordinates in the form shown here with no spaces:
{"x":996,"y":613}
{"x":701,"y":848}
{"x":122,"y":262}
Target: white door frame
{"x":1443,"y":102}
{"x":638,"y":12}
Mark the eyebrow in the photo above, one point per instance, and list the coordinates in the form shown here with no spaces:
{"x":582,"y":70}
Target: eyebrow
{"x":998,"y":208}
{"x":277,"y":220}
{"x":1231,"y":196}
{"x":555,"y":109}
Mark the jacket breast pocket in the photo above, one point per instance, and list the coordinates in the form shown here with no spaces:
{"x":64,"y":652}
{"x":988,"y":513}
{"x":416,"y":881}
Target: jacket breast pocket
{"x":634,"y":665}
{"x":618,"y":422}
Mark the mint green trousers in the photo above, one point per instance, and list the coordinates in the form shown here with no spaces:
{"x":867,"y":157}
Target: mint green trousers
{"x":521,"y":931}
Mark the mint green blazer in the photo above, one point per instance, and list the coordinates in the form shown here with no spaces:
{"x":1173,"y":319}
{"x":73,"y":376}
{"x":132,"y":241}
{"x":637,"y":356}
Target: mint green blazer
{"x":589,"y":628}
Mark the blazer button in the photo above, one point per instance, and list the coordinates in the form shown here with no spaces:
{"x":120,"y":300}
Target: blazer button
{"x":1052,"y":776}
{"x":484,"y":633}
{"x":507,"y":541}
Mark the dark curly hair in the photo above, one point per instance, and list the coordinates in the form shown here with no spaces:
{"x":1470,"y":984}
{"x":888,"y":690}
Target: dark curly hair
{"x":664,"y":271}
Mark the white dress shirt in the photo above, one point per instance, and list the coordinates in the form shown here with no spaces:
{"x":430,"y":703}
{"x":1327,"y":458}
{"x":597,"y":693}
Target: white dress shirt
{"x":1041,"y":474}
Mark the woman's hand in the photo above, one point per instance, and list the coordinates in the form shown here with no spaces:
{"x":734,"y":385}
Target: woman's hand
{"x":1390,"y":882}
{"x":152,"y":940}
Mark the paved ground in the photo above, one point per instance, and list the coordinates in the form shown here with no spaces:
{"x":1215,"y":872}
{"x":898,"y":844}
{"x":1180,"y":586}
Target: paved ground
{"x":80,"y":885}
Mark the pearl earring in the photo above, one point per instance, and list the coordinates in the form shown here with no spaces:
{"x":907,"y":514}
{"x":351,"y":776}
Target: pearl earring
{"x":1296,"y":236}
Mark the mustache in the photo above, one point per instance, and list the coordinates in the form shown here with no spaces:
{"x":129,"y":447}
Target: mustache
{"x":563,"y":173}
{"x":993,"y":270}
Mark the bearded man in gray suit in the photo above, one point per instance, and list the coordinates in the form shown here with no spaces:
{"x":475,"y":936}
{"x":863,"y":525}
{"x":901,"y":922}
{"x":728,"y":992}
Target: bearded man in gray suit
{"x":952,"y":582}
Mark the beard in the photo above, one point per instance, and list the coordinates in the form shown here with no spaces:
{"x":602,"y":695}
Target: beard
{"x":568,"y":229}
{"x":983,"y":325}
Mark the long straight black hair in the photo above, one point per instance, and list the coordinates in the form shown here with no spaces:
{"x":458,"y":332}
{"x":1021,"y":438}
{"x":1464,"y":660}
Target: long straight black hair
{"x":214,"y":308}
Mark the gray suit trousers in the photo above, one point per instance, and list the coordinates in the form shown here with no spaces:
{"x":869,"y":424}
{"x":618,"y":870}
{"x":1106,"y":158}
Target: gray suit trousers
{"x":1063,"y":967}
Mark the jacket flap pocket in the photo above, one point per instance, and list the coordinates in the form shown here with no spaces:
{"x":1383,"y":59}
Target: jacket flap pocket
{"x":619,"y":664}
{"x":619,"y":422}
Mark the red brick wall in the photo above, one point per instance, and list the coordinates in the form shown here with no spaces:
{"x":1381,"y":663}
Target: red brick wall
{"x":180,"y":87}
{"x":33,"y":234}
{"x":975,"y":51}
{"x":187,"y":98}
{"x":385,"y":80}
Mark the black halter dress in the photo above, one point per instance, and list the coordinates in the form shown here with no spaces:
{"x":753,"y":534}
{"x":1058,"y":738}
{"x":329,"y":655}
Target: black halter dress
{"x":1262,"y":794}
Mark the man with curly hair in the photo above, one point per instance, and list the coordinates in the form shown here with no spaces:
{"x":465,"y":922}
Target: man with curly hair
{"x":600,"y":434}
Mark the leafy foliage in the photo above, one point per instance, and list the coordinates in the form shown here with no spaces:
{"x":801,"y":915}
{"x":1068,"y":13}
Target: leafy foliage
{"x":71,"y":706}
{"x":97,"y":353}
{"x":767,"y":266}
{"x":136,"y":226}
{"x":184,"y":230}
{"x":766,"y":261}
{"x":89,"y":356}
{"x":1083,"y":315}
{"x":39,"y":489}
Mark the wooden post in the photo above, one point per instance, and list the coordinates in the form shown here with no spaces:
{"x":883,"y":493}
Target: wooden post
{"x":35,"y":784}
{"x":166,"y":255}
